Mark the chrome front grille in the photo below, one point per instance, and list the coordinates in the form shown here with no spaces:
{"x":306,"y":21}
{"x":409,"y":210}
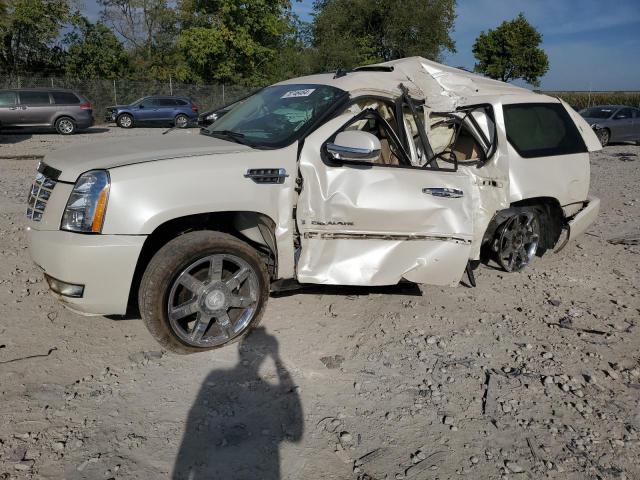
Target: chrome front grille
{"x":39,"y":196}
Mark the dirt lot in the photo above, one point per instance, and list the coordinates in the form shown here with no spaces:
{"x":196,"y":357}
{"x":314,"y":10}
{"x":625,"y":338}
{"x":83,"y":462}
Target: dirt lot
{"x":531,"y":375}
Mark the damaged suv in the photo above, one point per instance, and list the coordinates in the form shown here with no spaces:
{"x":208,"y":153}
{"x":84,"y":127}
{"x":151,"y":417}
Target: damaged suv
{"x":406,"y":170}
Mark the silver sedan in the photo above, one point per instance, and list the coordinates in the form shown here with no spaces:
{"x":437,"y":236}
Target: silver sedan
{"x":614,"y":123}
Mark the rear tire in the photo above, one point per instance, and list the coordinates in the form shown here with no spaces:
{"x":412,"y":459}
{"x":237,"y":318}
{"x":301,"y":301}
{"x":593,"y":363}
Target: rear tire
{"x":517,"y":239}
{"x":203,"y":290}
{"x":65,"y":126}
{"x":125,"y":121}
{"x":181,"y":121}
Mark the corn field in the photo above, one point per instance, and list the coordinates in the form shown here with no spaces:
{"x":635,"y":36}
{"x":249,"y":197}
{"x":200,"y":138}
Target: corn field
{"x":103,"y":93}
{"x":580,"y":100}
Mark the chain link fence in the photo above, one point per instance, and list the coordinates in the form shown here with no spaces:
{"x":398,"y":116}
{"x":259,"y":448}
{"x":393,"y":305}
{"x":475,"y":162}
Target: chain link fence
{"x":103,"y":93}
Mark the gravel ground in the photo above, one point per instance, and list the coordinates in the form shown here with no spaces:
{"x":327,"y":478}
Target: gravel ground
{"x":530,"y":375}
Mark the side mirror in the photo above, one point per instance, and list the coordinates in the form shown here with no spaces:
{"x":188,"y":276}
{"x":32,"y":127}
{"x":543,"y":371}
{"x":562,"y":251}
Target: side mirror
{"x":140,"y":106}
{"x":354,"y":146}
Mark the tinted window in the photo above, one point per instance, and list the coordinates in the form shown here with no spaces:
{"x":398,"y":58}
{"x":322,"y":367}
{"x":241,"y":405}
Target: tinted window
{"x":34,"y":98}
{"x":636,"y":114}
{"x":181,"y":102}
{"x":148,"y":102}
{"x":7,"y":98}
{"x":163,"y":102}
{"x":67,"y":98}
{"x":541,"y":130}
{"x":624,"y":113}
{"x":597,"y":112}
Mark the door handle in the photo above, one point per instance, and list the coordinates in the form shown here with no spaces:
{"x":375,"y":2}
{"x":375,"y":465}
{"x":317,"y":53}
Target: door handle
{"x":443,"y":192}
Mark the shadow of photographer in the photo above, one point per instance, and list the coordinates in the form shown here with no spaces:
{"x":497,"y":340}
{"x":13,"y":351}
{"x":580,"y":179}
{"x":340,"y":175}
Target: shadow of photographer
{"x":238,"y":420}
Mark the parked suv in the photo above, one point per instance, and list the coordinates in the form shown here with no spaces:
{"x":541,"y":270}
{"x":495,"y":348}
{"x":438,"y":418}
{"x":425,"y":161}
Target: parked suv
{"x":407,"y":170}
{"x":176,"y":111}
{"x":64,"y":110}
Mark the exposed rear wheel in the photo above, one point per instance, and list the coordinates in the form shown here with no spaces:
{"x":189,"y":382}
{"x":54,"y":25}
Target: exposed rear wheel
{"x":517,"y":240}
{"x":65,"y":126}
{"x":203,"y":290}
{"x":181,"y":121}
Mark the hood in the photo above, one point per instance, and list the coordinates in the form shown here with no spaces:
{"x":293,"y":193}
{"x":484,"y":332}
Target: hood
{"x":119,"y":152}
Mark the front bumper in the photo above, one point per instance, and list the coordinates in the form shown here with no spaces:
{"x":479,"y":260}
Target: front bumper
{"x":579,"y":223}
{"x":103,"y":264}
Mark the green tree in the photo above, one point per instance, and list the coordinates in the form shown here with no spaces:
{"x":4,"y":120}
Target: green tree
{"x":511,"y":51}
{"x":348,"y":33}
{"x":93,"y":51}
{"x":149,"y":29}
{"x":230,"y":41}
{"x":29,"y":32}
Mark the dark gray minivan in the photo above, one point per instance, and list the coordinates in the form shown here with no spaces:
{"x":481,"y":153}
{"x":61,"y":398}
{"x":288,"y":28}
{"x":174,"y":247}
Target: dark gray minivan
{"x":64,"y":110}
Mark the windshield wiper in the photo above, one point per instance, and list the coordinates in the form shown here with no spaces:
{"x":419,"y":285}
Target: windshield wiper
{"x":230,"y":134}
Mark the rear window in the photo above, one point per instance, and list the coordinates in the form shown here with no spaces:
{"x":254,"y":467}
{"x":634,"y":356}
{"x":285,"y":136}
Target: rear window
{"x":180,"y":102}
{"x":542,"y":130}
{"x":34,"y":98}
{"x":67,"y":98}
{"x":7,"y":98}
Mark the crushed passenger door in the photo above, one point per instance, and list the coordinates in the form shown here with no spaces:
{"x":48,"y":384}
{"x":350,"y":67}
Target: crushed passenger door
{"x":377,"y":224}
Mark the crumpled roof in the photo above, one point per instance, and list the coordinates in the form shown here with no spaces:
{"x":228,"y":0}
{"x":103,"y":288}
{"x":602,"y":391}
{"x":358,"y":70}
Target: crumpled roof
{"x":442,"y":86}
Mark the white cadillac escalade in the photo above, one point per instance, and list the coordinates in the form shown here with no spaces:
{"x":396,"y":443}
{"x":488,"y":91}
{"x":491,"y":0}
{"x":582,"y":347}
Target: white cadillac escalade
{"x":407,"y":170}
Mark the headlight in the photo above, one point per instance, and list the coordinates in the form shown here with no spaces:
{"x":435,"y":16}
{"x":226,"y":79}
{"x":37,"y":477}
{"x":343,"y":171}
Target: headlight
{"x":87,"y":203}
{"x":213,"y":116}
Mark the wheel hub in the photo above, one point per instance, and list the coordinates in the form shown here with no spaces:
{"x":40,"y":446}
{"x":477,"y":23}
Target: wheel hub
{"x":215,"y":299}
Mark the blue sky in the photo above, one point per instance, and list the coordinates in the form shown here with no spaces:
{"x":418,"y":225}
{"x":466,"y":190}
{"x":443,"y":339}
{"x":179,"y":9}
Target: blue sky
{"x":592,"y":44}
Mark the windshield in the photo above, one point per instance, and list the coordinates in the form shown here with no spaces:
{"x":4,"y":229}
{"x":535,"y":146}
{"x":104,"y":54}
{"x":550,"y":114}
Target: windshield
{"x":137,"y":101}
{"x":597,"y":112}
{"x":275,"y":116}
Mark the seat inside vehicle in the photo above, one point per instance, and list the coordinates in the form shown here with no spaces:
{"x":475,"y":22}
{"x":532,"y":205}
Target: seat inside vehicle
{"x":466,"y":147}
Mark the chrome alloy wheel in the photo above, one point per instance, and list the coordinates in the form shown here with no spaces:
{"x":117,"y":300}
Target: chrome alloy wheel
{"x":65,"y":126}
{"x":518,"y":241}
{"x":213,"y":300}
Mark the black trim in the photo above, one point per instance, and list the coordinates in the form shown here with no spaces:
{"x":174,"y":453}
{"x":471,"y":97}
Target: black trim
{"x":374,"y":68}
{"x":48,"y":171}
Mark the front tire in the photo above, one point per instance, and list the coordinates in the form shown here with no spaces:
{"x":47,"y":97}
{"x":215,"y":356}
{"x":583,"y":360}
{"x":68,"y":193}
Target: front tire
{"x":65,"y":126}
{"x":203,"y":290}
{"x":125,"y":121}
{"x":604,"y":135}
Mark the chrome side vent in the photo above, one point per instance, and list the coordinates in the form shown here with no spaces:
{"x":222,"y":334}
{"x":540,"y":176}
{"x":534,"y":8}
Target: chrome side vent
{"x":39,"y":196}
{"x":267,"y":175}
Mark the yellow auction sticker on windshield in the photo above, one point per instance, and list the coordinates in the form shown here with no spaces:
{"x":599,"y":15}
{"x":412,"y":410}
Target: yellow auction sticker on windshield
{"x":299,"y":93}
